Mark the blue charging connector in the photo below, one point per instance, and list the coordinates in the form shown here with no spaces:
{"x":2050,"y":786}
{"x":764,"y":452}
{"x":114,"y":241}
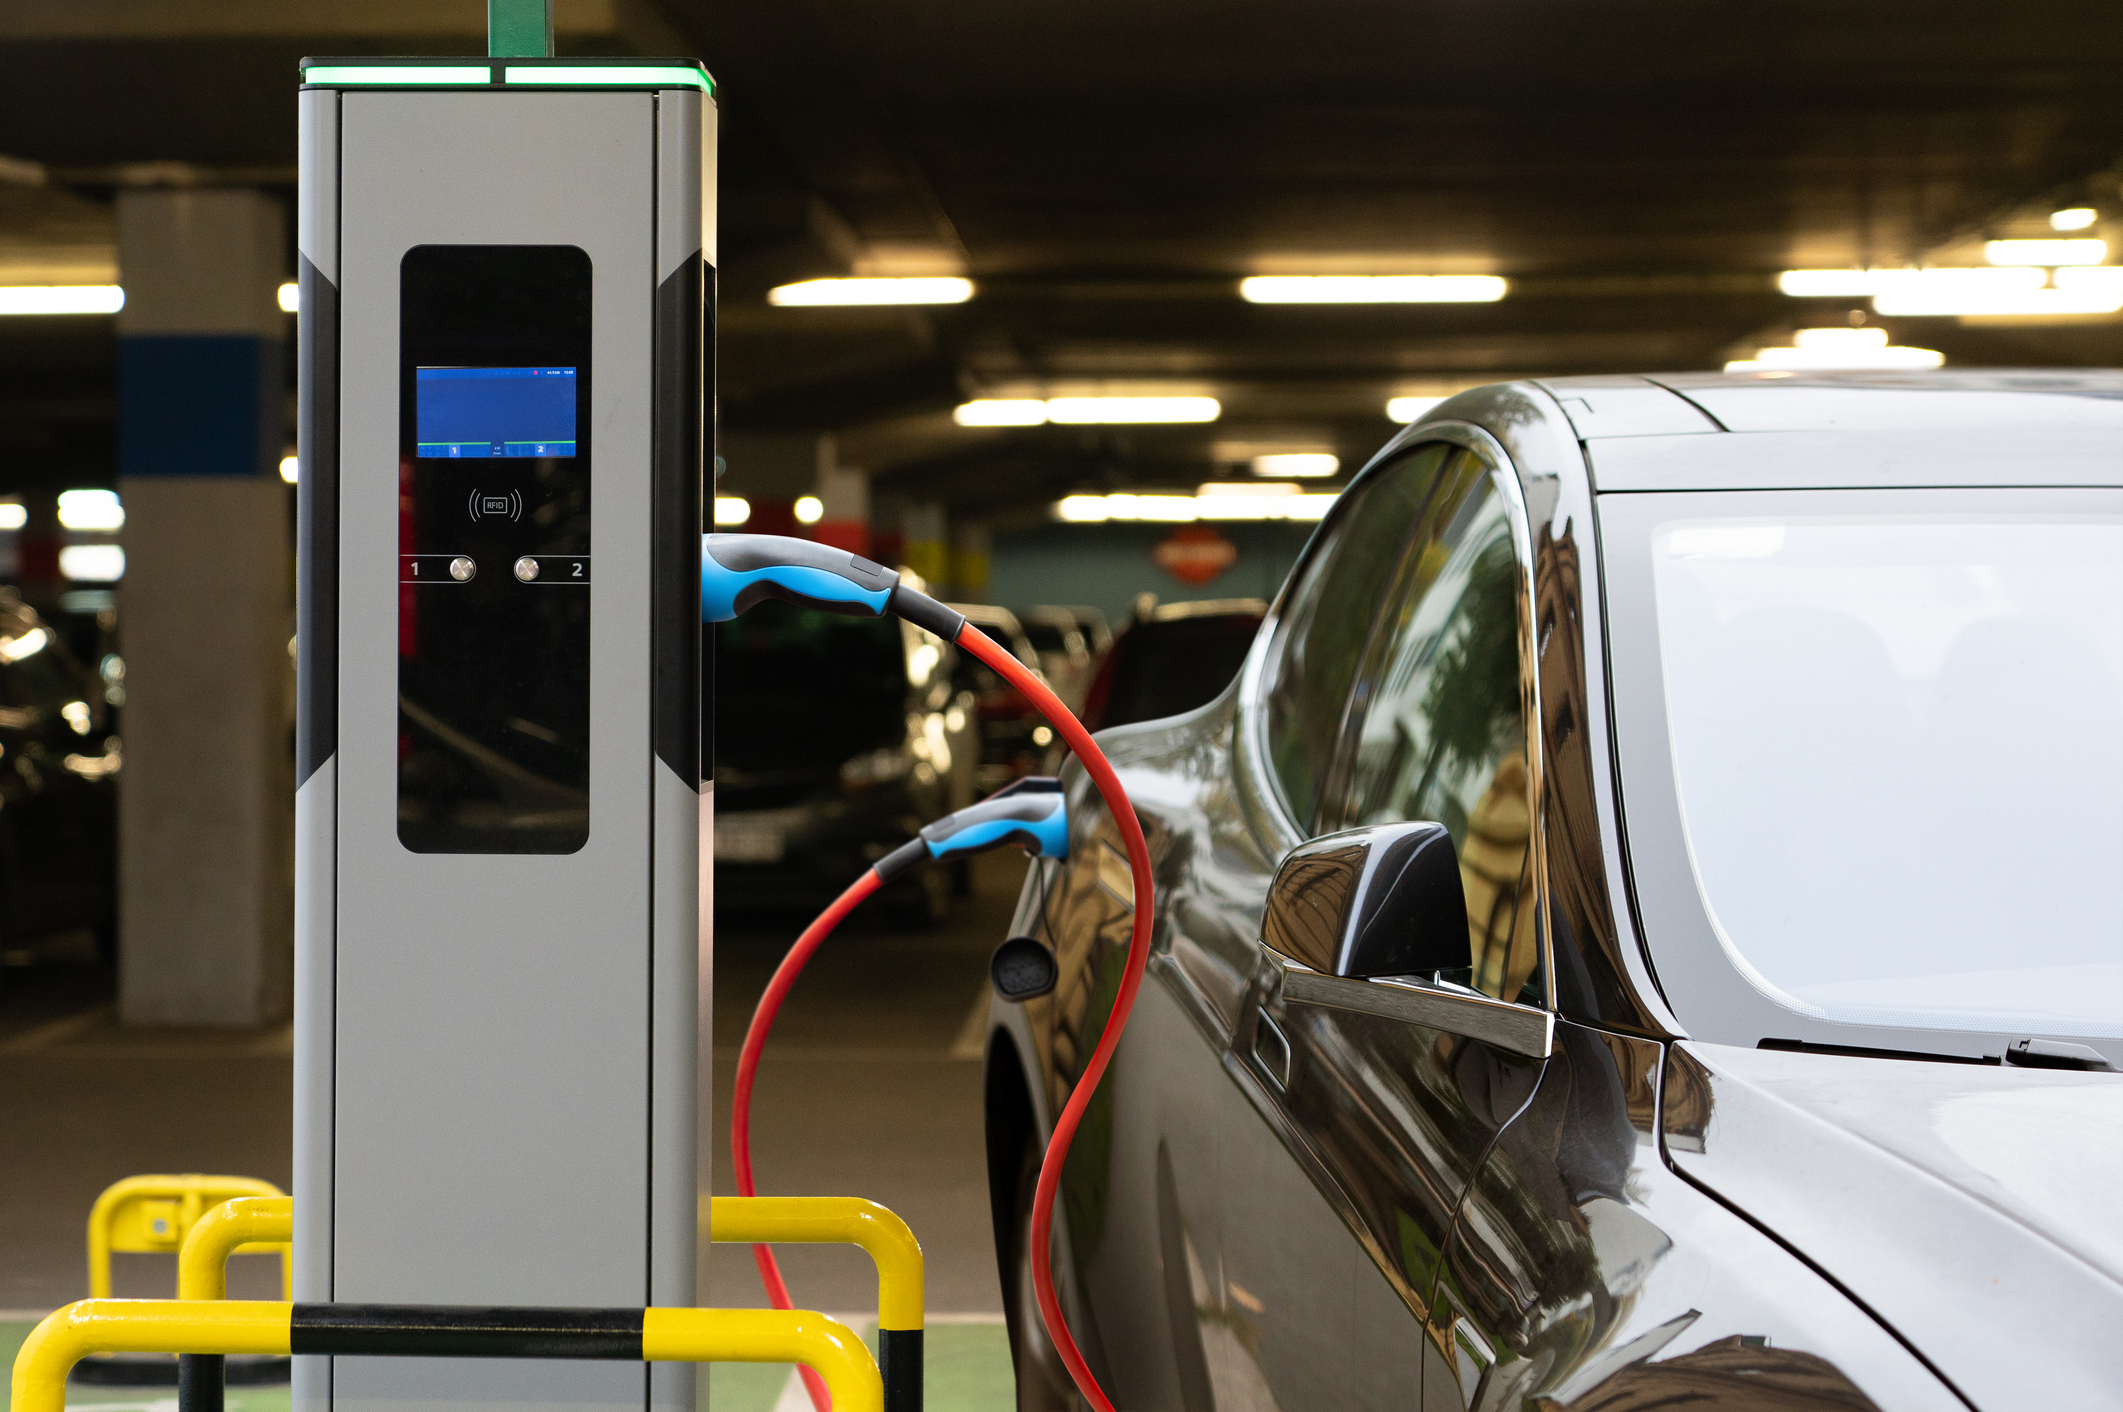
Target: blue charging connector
{"x":1031,"y":813}
{"x":739,"y":570}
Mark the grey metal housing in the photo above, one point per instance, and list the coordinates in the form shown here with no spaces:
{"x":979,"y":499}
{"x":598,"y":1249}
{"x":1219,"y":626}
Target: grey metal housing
{"x":499,"y":1058}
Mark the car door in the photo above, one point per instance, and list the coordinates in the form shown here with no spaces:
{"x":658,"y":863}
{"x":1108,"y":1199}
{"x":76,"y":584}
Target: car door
{"x":1401,"y":693}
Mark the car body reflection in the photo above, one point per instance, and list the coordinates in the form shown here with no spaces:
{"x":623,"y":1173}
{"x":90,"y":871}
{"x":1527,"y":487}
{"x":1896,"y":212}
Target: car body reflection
{"x":1600,"y":1165}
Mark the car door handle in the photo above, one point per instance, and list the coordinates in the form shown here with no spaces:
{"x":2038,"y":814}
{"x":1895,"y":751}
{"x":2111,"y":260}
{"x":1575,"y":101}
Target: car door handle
{"x":1520,"y":1029}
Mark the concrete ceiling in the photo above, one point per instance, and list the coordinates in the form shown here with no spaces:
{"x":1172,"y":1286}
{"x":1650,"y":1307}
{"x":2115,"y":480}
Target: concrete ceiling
{"x":1106,"y":172}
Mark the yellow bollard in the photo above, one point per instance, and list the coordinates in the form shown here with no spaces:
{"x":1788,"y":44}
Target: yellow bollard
{"x":828,"y":1347}
{"x":137,"y":1326}
{"x":849,"y":1220}
{"x":256,"y":1326}
{"x":246,"y":1222}
{"x":148,"y":1214}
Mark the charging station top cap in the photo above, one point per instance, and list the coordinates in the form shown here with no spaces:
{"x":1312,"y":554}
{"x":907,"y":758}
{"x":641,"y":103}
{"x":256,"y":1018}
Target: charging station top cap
{"x":599,"y":71}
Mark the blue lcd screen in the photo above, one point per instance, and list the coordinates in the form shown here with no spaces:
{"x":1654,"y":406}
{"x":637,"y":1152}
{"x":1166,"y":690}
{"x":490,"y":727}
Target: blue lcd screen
{"x":475,"y":412}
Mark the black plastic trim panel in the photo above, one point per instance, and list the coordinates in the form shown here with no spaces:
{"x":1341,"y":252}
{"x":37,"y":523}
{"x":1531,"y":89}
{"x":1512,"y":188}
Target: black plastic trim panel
{"x":316,"y":524}
{"x":681,"y":383}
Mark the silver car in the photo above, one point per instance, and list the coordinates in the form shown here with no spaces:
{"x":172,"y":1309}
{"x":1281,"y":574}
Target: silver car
{"x":1644,"y":930}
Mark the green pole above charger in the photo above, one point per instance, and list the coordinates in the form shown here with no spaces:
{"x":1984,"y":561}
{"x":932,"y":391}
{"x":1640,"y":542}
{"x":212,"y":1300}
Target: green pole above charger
{"x":519,"y":29}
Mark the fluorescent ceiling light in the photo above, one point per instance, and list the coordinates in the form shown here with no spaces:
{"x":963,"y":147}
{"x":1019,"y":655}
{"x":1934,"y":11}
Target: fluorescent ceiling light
{"x":2072,"y":218}
{"x":1108,"y":411}
{"x":13,"y":514}
{"x":1371,"y":289}
{"x":290,"y":468}
{"x":1303,"y":464}
{"x":290,"y":297}
{"x":92,"y":563}
{"x":1851,"y":339}
{"x":1248,"y":488}
{"x":1002,"y":412}
{"x":1213,"y":502}
{"x":1820,"y":349}
{"x":1832,"y":284}
{"x":2045,"y":252}
{"x":1982,"y":289}
{"x":1837,"y":360}
{"x":2005,"y":291}
{"x":732,"y":510}
{"x":809,"y":509}
{"x":922,"y":289}
{"x":1085,"y":411}
{"x":61,"y":299}
{"x":91,"y":510}
{"x":1406,"y":409}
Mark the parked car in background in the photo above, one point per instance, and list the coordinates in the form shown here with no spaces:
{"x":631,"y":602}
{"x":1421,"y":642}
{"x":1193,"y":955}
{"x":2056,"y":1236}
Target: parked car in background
{"x":1065,"y":652}
{"x":1628,"y":943}
{"x":1090,"y":621}
{"x":59,"y":763}
{"x":1013,"y":735}
{"x":1176,"y":658}
{"x":836,"y":740}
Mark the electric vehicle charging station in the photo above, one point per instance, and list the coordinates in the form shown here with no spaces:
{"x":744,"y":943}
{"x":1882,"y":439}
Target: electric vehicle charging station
{"x":502,"y":946}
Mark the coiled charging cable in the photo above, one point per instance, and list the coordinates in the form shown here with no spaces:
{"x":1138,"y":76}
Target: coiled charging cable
{"x":738,"y":571}
{"x":1030,"y":813}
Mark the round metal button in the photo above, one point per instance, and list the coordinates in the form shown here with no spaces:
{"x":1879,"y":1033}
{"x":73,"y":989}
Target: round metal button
{"x":462,"y":568}
{"x":527,"y":568}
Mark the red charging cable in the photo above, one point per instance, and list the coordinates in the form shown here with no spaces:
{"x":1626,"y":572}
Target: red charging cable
{"x":1094,"y":761}
{"x":777,"y":991}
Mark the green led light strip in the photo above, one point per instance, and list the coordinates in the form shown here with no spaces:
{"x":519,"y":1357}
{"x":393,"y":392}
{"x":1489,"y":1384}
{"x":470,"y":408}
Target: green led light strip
{"x":401,"y":75}
{"x":616,"y":76}
{"x":482,"y":76}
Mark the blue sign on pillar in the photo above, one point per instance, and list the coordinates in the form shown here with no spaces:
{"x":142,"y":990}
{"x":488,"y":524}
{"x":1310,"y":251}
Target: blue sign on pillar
{"x":199,"y":404}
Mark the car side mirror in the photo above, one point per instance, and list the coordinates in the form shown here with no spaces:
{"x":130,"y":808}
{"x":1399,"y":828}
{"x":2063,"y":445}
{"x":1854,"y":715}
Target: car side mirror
{"x":1380,"y":901}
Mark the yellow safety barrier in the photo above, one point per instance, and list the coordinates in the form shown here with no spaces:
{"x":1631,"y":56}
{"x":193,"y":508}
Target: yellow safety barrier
{"x":255,"y":1326}
{"x":247,"y":1222}
{"x":846,"y":1220}
{"x":153,"y":1214}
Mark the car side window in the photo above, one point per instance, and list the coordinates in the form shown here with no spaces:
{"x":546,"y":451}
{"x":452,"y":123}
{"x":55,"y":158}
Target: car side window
{"x":1328,"y":618}
{"x":1437,"y":731}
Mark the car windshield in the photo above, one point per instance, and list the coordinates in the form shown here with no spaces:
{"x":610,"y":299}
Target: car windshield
{"x":1898,"y":762}
{"x":799,"y":689}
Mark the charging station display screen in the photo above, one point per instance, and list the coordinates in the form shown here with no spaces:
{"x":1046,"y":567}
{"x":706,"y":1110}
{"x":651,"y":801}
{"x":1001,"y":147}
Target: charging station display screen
{"x":495,"y":476}
{"x":495,"y":411}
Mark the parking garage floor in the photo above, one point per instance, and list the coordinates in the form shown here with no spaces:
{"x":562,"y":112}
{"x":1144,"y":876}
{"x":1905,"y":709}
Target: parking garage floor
{"x":870,"y":1087}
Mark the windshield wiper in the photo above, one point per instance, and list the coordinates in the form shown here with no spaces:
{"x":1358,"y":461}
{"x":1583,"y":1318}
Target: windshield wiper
{"x":2021,"y":1053}
{"x":1800,"y":1046}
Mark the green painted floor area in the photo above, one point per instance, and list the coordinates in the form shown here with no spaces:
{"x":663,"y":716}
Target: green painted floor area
{"x":965,"y":1368}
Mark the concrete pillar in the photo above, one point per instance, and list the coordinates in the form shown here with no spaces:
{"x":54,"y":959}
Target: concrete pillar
{"x":844,"y":495}
{"x":205,"y":851}
{"x":923,"y":548}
